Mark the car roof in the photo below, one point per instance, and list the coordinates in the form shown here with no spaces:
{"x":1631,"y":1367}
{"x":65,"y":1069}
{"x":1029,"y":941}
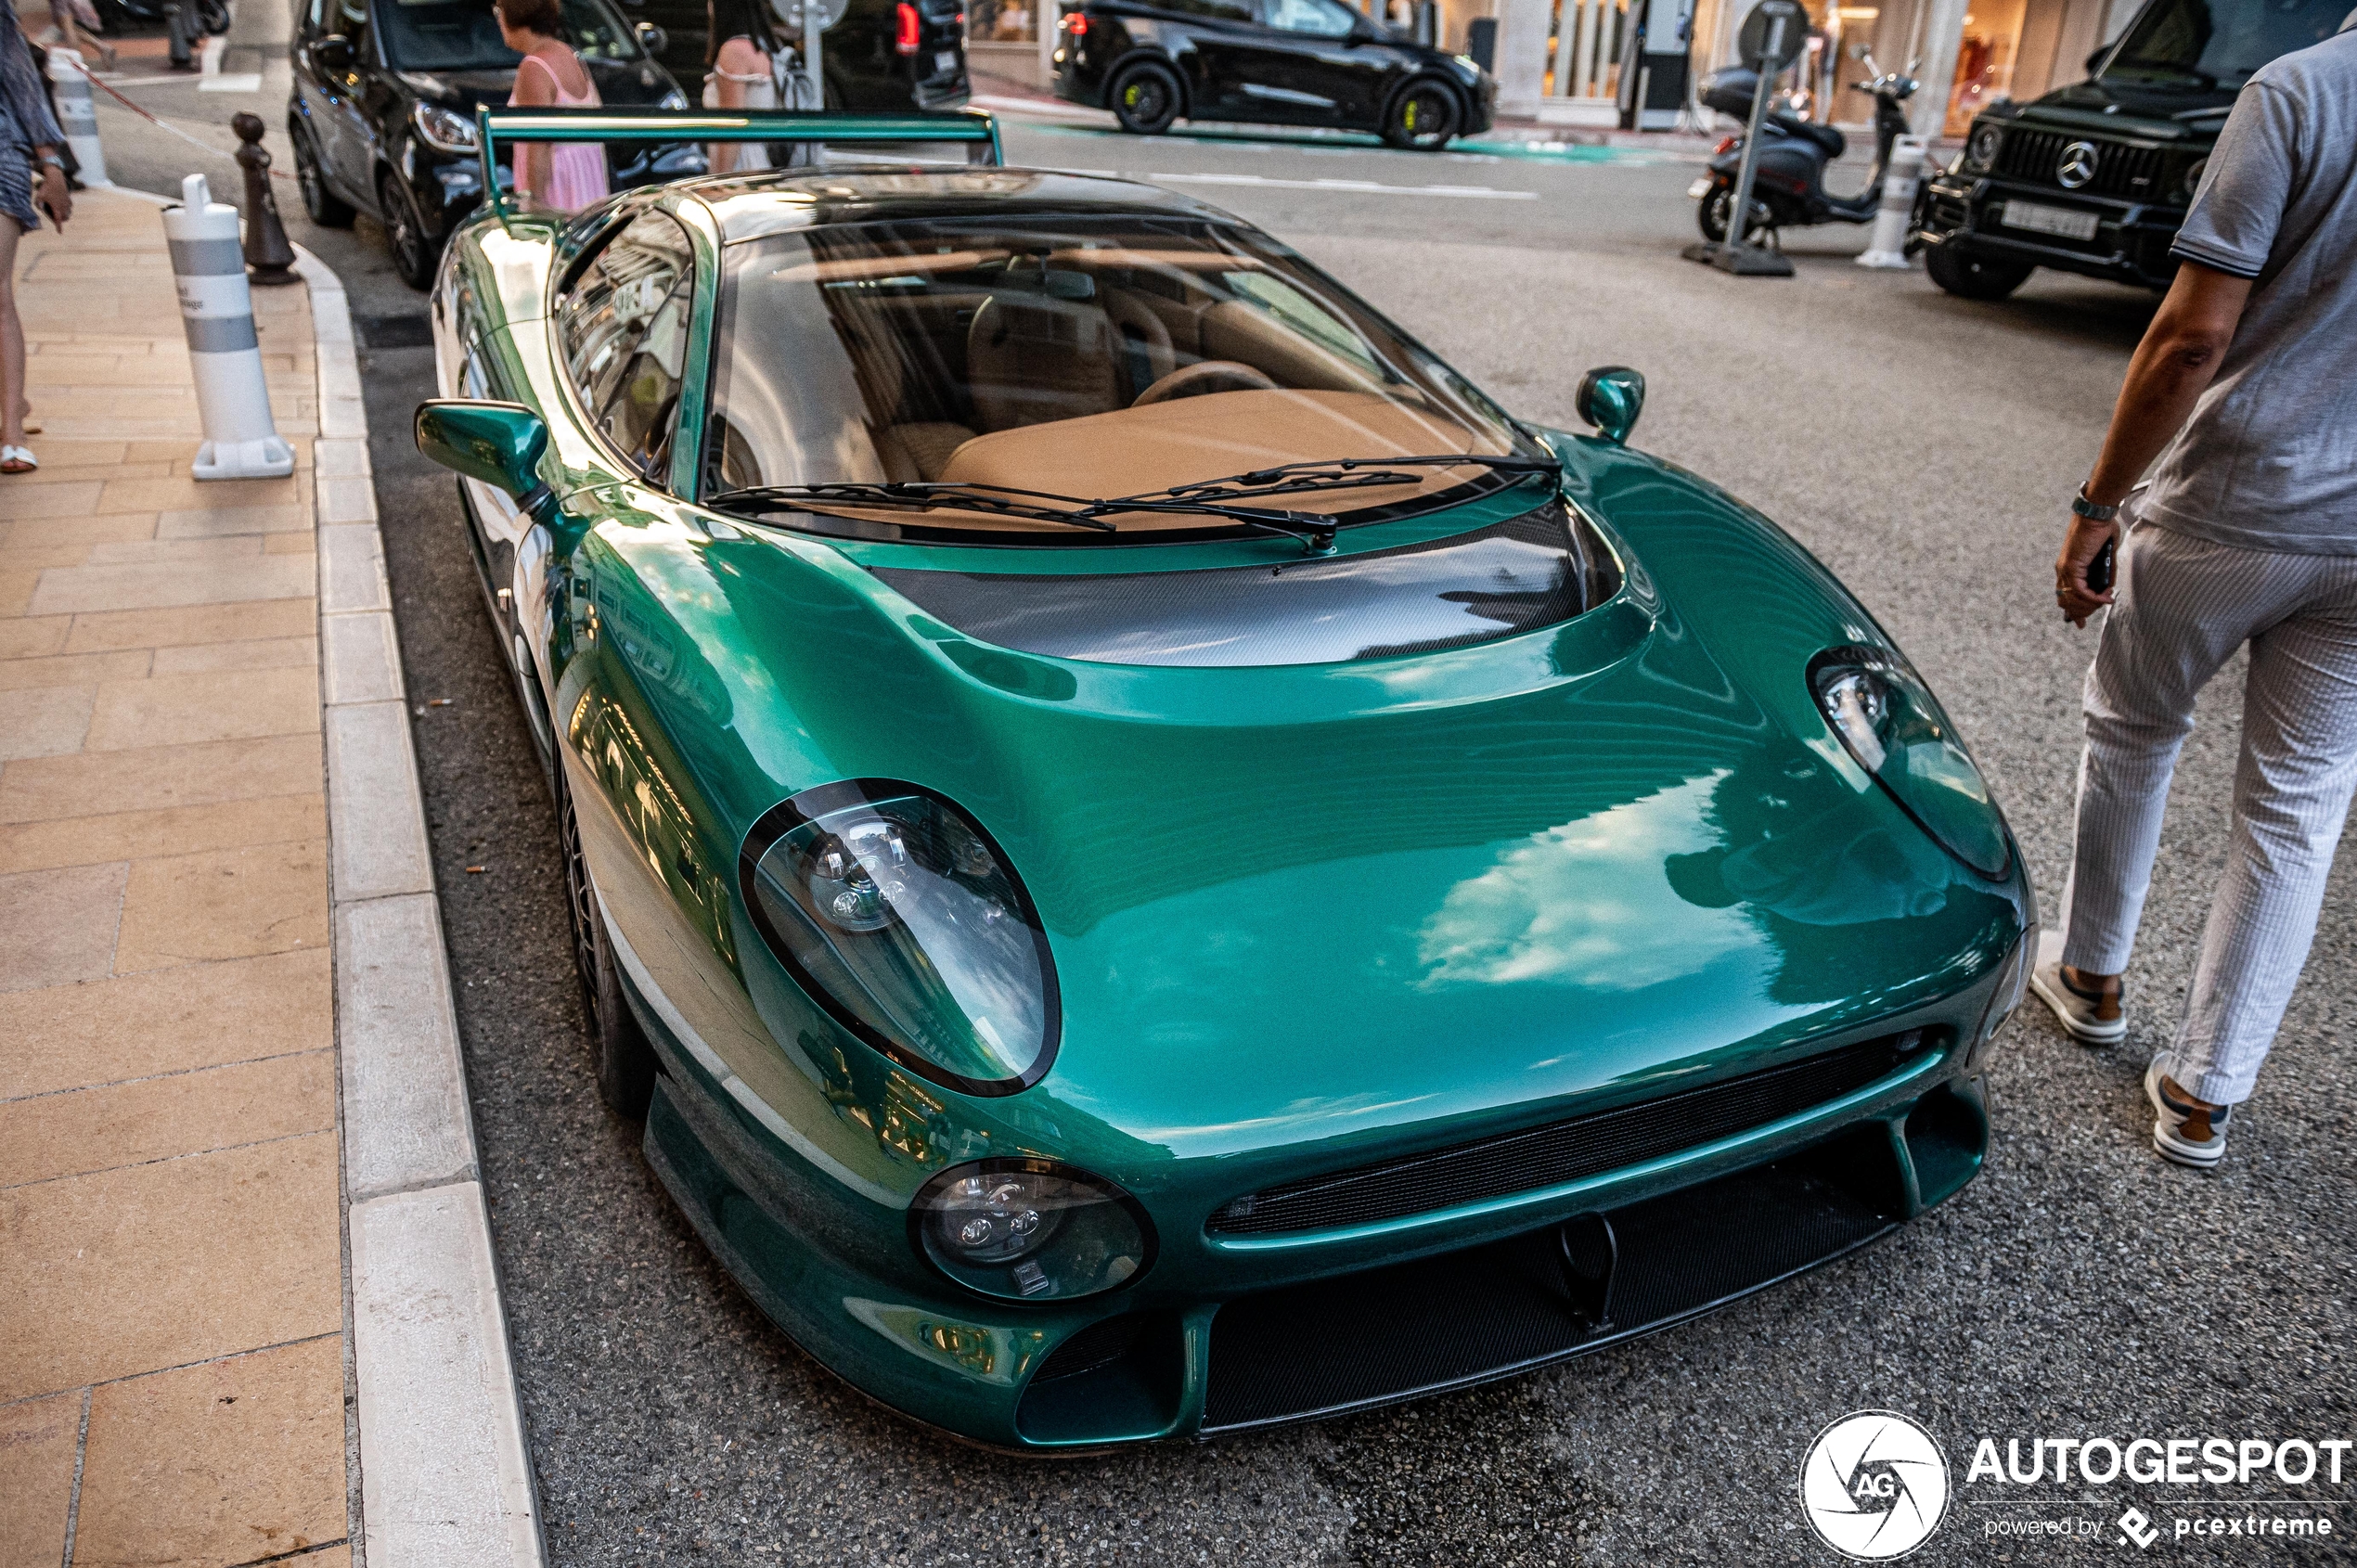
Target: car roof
{"x":751,"y":205}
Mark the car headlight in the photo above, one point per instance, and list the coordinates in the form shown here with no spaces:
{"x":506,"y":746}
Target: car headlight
{"x":443,"y":130}
{"x":901,"y":917}
{"x":2193,"y":173}
{"x":2013,"y":980}
{"x":1889,"y":720}
{"x":674,"y":100}
{"x":1980,"y":151}
{"x":1031,"y":1230}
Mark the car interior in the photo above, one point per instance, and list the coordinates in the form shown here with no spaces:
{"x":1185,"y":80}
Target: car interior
{"x":1081,"y":364}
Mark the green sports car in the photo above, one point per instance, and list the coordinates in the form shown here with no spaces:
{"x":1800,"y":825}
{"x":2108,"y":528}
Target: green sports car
{"x":1156,"y":863}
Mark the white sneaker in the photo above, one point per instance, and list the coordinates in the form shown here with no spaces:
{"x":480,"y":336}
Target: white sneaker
{"x":2170,"y":1140}
{"x":2080,"y":1012}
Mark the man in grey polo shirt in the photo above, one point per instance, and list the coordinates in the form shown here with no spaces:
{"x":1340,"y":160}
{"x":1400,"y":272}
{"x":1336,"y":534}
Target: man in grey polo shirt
{"x":2247,"y":533}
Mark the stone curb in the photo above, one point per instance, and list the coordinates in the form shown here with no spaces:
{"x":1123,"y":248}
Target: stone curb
{"x":445,"y":1479}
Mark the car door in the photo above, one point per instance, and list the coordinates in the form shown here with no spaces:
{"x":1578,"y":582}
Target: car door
{"x":1220,"y":47}
{"x":1319,"y":69}
{"x":345,"y":143}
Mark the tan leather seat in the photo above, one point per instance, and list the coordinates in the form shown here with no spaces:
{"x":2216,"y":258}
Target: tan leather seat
{"x":1031,"y":360}
{"x":919,"y":451}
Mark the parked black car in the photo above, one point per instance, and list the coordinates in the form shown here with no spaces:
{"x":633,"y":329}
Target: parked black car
{"x":1287,"y":62}
{"x":2094,"y":178}
{"x":882,"y":54}
{"x":382,"y":111}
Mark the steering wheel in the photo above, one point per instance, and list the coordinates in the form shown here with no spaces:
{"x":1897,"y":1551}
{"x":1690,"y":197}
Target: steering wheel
{"x":1208,"y":375}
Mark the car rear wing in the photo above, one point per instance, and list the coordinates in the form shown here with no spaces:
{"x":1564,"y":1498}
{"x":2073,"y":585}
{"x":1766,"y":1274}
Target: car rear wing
{"x":973,"y":130}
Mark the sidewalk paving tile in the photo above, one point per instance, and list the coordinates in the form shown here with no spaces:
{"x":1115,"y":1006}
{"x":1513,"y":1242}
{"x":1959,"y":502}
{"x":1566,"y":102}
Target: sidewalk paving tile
{"x":94,"y":631}
{"x":159,"y":1266}
{"x":74,"y":669}
{"x":220,"y":705}
{"x":57,"y":927}
{"x":164,"y":584}
{"x":37,"y":1442}
{"x":95,"y":783}
{"x":170,"y":1021}
{"x":113,"y":1125}
{"x":259,"y":653}
{"x":43,"y":721}
{"x":206,"y":1466}
{"x":224,"y":903}
{"x":133,"y":835}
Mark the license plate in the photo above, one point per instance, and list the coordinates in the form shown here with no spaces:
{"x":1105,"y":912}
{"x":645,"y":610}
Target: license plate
{"x":945,"y":62}
{"x":1699,"y":189}
{"x":2039,"y":218}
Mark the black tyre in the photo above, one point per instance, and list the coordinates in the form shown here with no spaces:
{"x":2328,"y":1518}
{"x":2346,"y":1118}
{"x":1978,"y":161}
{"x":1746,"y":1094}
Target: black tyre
{"x":1972,"y":278}
{"x":326,"y":209}
{"x":1146,"y":98}
{"x":626,"y":1061}
{"x":413,"y":255}
{"x":1423,"y":117}
{"x":1717,"y":207}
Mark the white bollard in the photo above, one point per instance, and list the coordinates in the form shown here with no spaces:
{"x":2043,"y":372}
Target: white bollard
{"x":1887,"y":248}
{"x":216,"y":309}
{"x":77,"y":114}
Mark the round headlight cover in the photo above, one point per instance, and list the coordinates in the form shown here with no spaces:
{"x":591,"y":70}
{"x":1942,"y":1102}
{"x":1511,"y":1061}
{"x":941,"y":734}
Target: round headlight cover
{"x":1980,"y":151}
{"x":1031,"y":1230}
{"x":903,"y":919}
{"x":1888,"y":719}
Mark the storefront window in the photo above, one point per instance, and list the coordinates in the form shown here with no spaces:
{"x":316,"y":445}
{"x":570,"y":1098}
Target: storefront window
{"x":1984,"y":59}
{"x":999,"y":21}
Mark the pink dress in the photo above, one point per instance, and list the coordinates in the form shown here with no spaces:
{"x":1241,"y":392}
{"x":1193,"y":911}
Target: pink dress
{"x":577,"y":170}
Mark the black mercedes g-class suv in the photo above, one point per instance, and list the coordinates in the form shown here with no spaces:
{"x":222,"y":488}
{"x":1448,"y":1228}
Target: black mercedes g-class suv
{"x":2094,"y":178}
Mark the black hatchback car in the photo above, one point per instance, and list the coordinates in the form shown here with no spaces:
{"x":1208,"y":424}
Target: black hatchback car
{"x":1285,"y":62}
{"x":2094,"y":178}
{"x":382,"y":111}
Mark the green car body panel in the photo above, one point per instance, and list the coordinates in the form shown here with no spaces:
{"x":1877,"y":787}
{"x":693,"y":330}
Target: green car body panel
{"x":1303,"y":918}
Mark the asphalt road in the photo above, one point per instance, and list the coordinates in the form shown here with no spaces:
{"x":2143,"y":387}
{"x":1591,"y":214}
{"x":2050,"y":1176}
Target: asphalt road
{"x":1924,"y":448}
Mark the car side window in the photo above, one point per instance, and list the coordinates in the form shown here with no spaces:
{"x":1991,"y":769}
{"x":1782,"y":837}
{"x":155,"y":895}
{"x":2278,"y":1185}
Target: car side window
{"x":315,"y":13}
{"x":1322,"y":18}
{"x":623,"y":327}
{"x":1216,"y":10}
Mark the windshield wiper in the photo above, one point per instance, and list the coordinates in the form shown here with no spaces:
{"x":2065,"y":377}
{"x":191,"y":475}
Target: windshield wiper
{"x":1312,"y":531}
{"x":1343,"y":473}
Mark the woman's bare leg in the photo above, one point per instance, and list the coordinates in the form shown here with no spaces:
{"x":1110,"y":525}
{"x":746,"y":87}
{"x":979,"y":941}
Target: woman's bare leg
{"x":13,"y":406}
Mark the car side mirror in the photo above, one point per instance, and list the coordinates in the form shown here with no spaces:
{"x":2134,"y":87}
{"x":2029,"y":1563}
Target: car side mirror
{"x":652,"y":38}
{"x":498,"y":444}
{"x":1610,"y":397}
{"x":333,"y":53}
{"x":2096,"y":60}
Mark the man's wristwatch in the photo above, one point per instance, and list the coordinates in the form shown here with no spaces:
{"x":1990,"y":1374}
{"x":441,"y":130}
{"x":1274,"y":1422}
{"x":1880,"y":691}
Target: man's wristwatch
{"x":2090,"y":510}
{"x":54,"y":161}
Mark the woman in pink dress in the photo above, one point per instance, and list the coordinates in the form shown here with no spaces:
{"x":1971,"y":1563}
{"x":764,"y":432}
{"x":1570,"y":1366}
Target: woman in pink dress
{"x":565,"y":175}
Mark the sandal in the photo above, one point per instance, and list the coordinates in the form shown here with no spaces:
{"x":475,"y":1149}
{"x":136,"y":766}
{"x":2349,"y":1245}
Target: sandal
{"x":18,"y":460}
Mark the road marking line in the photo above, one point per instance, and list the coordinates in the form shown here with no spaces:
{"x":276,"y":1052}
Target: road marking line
{"x":1361,"y":187}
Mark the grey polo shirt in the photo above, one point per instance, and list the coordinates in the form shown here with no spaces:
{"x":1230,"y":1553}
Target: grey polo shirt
{"x":2269,"y":459}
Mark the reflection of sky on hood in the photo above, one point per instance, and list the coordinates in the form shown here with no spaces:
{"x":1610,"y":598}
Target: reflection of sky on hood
{"x":1587,"y":904}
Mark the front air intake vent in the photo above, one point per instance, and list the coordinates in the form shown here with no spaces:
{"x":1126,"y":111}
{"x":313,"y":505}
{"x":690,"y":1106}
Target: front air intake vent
{"x":1584,"y":1146}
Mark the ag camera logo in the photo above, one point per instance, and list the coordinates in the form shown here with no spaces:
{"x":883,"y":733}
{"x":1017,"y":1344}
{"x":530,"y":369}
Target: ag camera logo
{"x":1874,"y":1486}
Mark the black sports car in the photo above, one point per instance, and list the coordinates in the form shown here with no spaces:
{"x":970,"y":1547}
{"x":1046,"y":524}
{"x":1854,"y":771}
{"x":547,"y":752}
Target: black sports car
{"x":1285,"y":62}
{"x":382,"y":110}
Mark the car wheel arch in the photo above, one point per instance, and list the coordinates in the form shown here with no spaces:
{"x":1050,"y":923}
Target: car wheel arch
{"x":1420,"y":76}
{"x":1172,"y":62}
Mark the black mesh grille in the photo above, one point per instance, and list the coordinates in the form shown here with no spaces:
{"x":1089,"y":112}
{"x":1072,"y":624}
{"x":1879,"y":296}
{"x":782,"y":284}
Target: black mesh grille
{"x":1491,"y":1311}
{"x":1583,"y":1146}
{"x":2128,"y":173}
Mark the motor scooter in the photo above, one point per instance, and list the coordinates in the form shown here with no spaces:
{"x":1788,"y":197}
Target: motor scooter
{"x":1788,"y":186}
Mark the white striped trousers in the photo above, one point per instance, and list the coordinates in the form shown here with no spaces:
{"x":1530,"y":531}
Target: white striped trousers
{"x":2184,"y":606}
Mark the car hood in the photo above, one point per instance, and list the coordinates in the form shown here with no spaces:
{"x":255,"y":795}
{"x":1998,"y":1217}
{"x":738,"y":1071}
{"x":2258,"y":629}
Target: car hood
{"x":2125,"y":108}
{"x":1294,"y":903}
{"x":619,"y":83}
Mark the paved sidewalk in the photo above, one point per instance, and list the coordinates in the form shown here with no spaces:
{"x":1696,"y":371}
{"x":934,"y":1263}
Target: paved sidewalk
{"x":172,"y":1358}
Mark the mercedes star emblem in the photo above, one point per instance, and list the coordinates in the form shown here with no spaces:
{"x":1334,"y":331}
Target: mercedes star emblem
{"x":2076,"y":166}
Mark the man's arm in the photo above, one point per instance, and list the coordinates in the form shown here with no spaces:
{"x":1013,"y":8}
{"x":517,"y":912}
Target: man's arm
{"x":2171,"y":369}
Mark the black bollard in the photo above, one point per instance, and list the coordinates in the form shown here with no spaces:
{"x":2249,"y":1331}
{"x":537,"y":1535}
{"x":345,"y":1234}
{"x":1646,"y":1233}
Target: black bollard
{"x":269,"y":256}
{"x":181,"y":27}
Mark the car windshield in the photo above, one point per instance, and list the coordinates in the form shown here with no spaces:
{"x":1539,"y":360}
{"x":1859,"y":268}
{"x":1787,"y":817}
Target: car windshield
{"x":464,"y":36}
{"x":2219,"y":42}
{"x":1092,"y":355}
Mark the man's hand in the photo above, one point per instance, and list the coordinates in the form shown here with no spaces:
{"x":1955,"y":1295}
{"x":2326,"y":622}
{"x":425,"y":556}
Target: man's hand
{"x":52,"y":196}
{"x":2080,"y":545}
